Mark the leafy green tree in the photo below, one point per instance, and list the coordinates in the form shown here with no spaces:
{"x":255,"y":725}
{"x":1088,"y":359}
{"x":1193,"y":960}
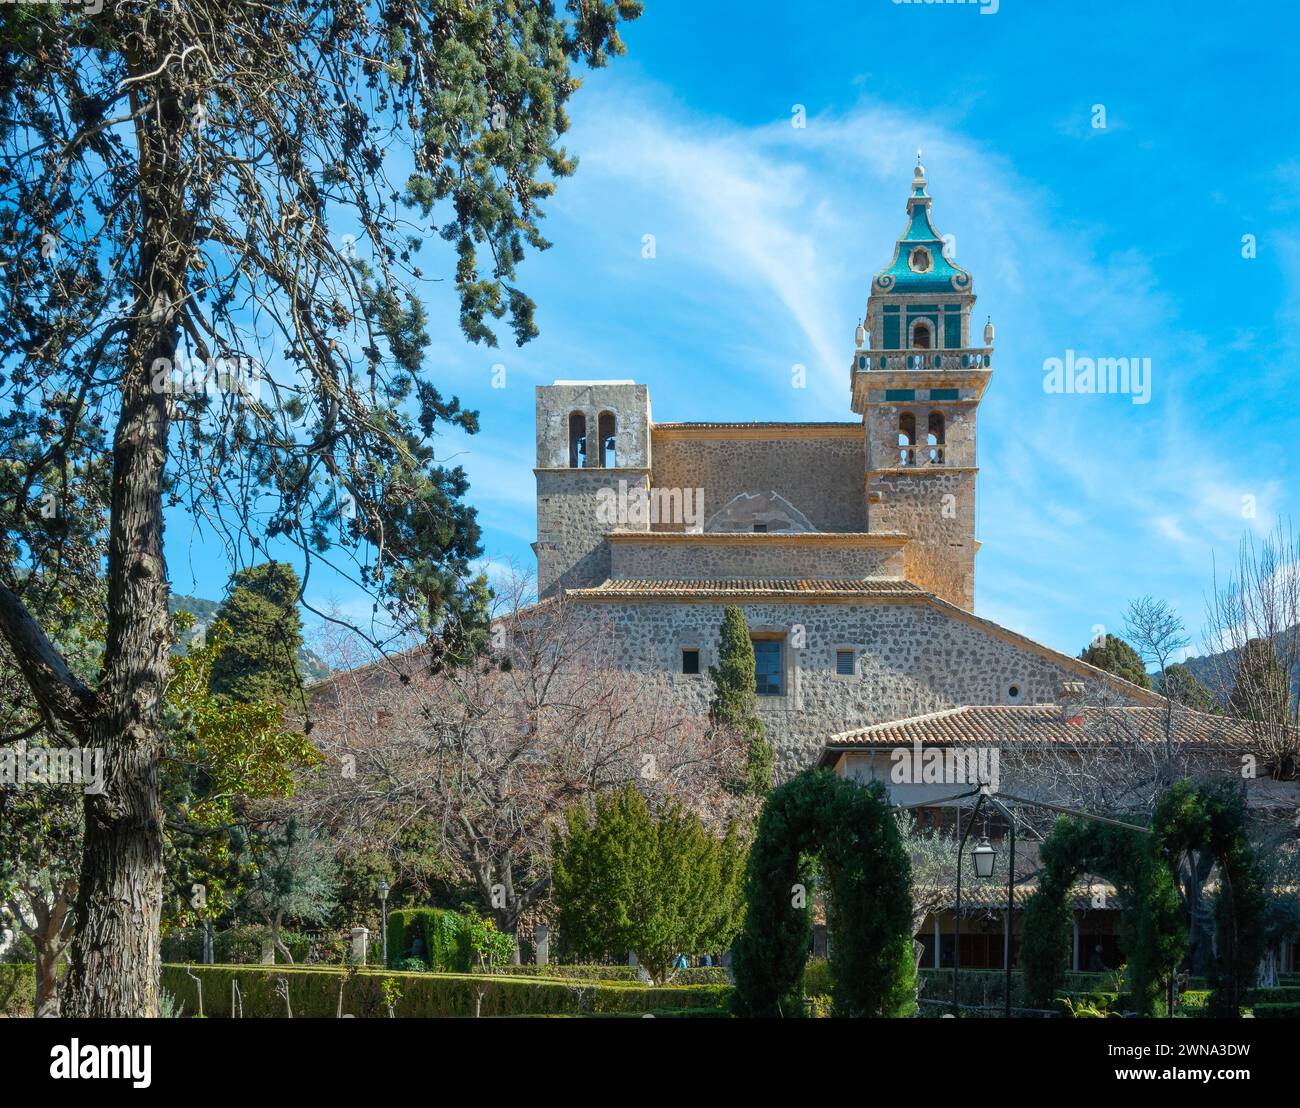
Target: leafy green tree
{"x":1182,"y":685}
{"x":294,"y":877}
{"x":657,"y":886}
{"x":211,"y":242}
{"x":258,"y":662}
{"x":222,"y":758}
{"x":1115,"y":656}
{"x":735,"y":703}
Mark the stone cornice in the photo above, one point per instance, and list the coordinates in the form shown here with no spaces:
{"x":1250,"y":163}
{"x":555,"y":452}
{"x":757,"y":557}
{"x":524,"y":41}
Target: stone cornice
{"x":759,"y":538}
{"x":762,"y":432}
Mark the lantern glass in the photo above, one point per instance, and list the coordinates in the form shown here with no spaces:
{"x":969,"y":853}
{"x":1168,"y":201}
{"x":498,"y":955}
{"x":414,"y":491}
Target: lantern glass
{"x":383,"y":890}
{"x":984,"y":856}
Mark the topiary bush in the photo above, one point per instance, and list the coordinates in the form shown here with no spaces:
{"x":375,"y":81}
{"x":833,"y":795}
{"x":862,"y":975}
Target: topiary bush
{"x":851,"y":829}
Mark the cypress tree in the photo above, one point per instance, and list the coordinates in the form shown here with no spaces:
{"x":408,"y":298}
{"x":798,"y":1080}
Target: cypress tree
{"x":735,"y":703}
{"x":259,"y":662}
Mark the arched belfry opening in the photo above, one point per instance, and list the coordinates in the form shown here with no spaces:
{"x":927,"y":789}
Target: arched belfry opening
{"x":921,"y":337}
{"x":577,"y":440}
{"x":906,"y":439}
{"x":607,"y":428}
{"x":934,"y":438}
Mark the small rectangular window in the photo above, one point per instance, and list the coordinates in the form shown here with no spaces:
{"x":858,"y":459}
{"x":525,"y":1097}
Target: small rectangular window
{"x":761,"y":528}
{"x":844,"y":663}
{"x":767,"y":667}
{"x":690,"y":661}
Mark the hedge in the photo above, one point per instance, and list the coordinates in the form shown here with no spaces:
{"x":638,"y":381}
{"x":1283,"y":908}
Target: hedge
{"x":691,"y":975}
{"x":578,"y":971}
{"x":1277,"y":1011}
{"x":314,"y":993}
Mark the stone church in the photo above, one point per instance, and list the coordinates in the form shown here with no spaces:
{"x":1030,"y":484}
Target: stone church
{"x":851,"y":548}
{"x":850,"y":545}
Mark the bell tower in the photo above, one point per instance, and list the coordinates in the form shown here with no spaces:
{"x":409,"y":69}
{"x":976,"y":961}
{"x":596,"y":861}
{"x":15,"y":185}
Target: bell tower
{"x":917,"y":380}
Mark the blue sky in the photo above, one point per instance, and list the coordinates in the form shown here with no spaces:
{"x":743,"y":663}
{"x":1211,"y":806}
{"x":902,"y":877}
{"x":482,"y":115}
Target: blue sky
{"x":1117,"y":241}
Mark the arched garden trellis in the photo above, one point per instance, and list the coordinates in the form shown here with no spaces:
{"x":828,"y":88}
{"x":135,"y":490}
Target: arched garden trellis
{"x":851,"y":828}
{"x":1190,"y":816}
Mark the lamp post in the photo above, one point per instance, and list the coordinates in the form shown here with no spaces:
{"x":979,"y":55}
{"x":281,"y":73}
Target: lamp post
{"x":383,"y":905}
{"x":984,"y":857}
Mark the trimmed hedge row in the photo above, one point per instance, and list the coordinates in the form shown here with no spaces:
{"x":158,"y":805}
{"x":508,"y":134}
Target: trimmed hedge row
{"x":1277,"y":1011}
{"x":314,"y":993}
{"x":692,"y":975}
{"x":575,"y":972}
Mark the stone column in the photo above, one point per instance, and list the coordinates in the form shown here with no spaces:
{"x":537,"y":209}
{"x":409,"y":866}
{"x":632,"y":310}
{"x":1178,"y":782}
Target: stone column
{"x":359,"y":937}
{"x":1074,"y":961}
{"x":542,"y":940}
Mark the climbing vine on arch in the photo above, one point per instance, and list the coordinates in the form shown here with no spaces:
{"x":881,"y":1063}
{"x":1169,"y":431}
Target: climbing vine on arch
{"x":1144,"y":867}
{"x":851,"y":829}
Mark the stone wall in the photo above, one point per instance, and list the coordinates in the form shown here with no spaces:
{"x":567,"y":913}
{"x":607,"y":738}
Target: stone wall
{"x":937,"y":508}
{"x":748,"y":555}
{"x":910,"y":658}
{"x":571,"y":548}
{"x":820,"y":475}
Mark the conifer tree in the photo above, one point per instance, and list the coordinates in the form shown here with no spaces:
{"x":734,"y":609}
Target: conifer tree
{"x":735,"y":703}
{"x":1116,"y":656}
{"x":258,"y":662}
{"x":658,"y":887}
{"x":211,"y":240}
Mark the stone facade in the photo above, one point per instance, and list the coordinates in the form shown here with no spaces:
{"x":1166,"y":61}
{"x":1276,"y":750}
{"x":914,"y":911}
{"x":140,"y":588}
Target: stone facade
{"x":705,"y":556}
{"x":908,"y":659}
{"x":817,"y":469}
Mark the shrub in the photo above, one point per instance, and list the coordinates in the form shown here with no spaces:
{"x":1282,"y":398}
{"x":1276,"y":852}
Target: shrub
{"x":452,"y":942}
{"x":314,"y":993}
{"x":17,"y":989}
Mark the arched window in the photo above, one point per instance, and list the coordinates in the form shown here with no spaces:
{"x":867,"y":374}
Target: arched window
{"x":607,"y":426}
{"x":921,"y":335}
{"x":906,"y":439}
{"x":577,"y":440}
{"x":934,"y":438}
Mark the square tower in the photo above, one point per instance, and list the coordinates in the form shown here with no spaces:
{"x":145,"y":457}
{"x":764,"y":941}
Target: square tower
{"x":917,"y":380}
{"x":591,"y":435}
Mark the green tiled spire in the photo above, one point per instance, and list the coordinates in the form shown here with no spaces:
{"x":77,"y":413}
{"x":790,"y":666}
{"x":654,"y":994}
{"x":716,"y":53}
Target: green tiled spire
{"x":919,"y":265}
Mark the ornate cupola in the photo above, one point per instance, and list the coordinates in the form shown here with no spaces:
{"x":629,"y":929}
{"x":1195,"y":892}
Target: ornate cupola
{"x":917,"y":382}
{"x":920,"y":263}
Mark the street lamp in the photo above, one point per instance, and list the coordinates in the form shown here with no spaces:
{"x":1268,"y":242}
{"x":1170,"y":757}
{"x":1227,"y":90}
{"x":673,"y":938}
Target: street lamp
{"x":383,"y":904}
{"x":984,"y":856}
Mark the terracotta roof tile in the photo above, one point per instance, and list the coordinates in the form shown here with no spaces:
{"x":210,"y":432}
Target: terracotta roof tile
{"x":1047,"y":723}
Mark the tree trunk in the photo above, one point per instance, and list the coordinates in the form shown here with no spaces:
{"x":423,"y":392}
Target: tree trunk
{"x":115,"y":957}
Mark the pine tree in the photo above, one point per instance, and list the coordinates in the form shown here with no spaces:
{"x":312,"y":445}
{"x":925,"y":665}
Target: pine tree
{"x":1183,"y":686}
{"x":1115,"y":656}
{"x":735,"y":703}
{"x":258,"y":662}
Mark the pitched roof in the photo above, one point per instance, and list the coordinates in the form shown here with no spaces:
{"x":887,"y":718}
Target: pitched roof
{"x":749,"y":588}
{"x":993,"y":724}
